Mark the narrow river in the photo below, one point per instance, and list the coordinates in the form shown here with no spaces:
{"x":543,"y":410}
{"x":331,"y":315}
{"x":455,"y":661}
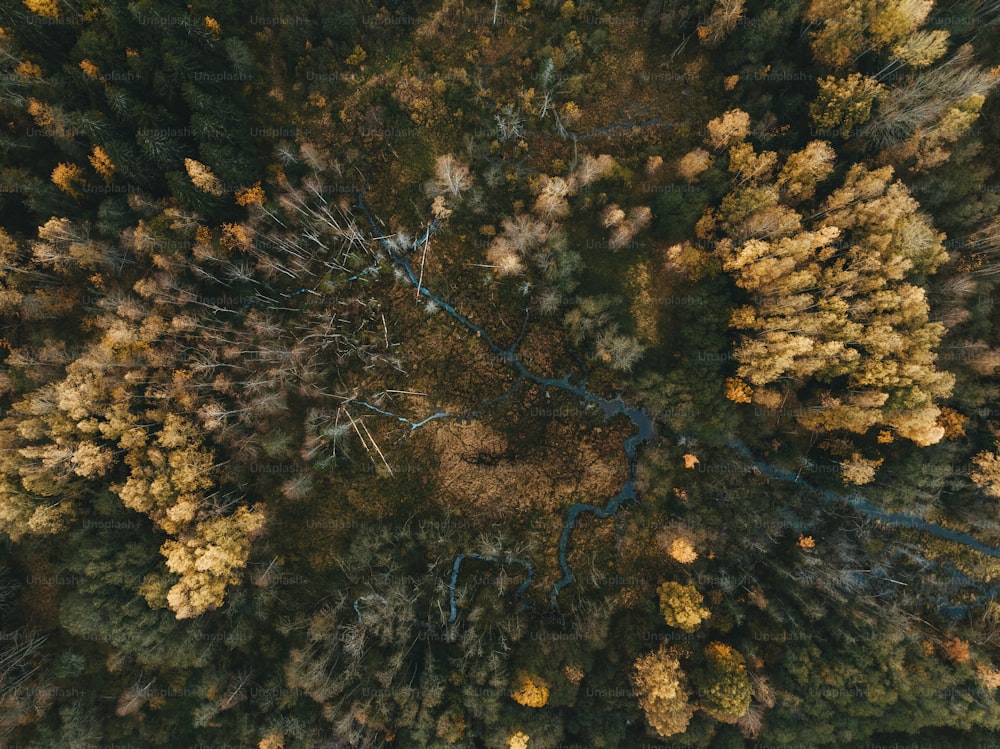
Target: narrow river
{"x":644,"y":433}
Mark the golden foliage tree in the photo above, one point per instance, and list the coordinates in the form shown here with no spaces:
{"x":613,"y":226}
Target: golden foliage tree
{"x":858,"y":469}
{"x":214,"y":29}
{"x":44,"y":8}
{"x":722,"y":20}
{"x":67,"y":177}
{"x":662,"y":690}
{"x":681,"y":606}
{"x":202,"y":177}
{"x":51,"y":118}
{"x":28,"y":70}
{"x":102,"y":163}
{"x":272,"y":741}
{"x":956,"y":650}
{"x":731,"y":126}
{"x":694,"y":163}
{"x":922,"y":48}
{"x":988,"y":676}
{"x":63,"y":244}
{"x":210,"y":558}
{"x":804,"y":169}
{"x":236,"y":237}
{"x":518,"y":740}
{"x":532,"y":691}
{"x":90,"y":69}
{"x":847,"y":29}
{"x":986,"y":474}
{"x":682,"y":550}
{"x":832,"y":296}
{"x":91,"y":459}
{"x":251,"y":195}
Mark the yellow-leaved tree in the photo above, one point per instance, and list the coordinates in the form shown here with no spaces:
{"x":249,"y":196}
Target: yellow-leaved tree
{"x":67,"y":177}
{"x":202,"y":177}
{"x":986,"y":474}
{"x":722,"y":20}
{"x":44,"y":8}
{"x":681,"y":606}
{"x":102,"y":163}
{"x":533,"y":691}
{"x":732,"y":126}
{"x":832,"y":294}
{"x":847,"y":29}
{"x":662,"y":690}
{"x":209,"y":558}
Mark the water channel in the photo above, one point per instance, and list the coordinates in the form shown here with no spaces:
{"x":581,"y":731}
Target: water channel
{"x":644,"y":433}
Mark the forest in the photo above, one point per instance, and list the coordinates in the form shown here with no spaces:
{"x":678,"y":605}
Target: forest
{"x":499,"y":374}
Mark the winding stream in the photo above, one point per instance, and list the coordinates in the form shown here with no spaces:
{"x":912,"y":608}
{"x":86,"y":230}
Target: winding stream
{"x":860,"y":503}
{"x":644,"y":433}
{"x":611,"y":408}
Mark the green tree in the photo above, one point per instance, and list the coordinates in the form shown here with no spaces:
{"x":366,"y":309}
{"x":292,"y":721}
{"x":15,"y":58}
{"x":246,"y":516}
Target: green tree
{"x":723,"y":686}
{"x":843,"y":104}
